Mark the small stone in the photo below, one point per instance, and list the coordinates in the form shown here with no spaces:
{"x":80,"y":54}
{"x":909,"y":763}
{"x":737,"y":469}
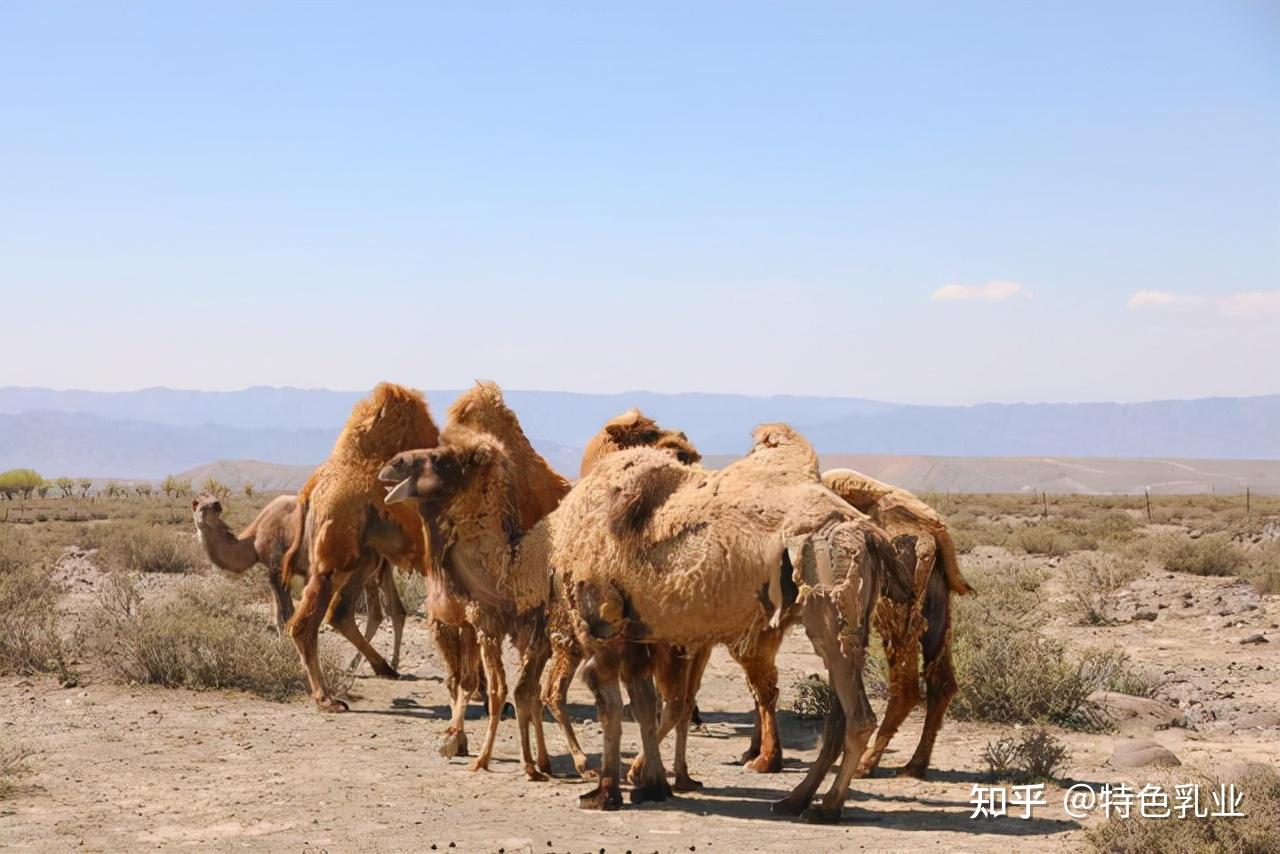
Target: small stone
{"x":1255,"y":639}
{"x":1145,"y":616}
{"x":1142,"y":753}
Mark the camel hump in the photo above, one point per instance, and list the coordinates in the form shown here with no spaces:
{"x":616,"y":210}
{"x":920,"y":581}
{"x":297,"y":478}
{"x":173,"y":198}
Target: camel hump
{"x":647,"y":482}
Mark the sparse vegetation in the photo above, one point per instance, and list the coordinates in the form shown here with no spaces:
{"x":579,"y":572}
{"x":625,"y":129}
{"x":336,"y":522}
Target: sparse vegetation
{"x":204,"y":633}
{"x":13,"y":765}
{"x":1093,"y":580}
{"x":137,"y":547}
{"x":1030,"y":756}
{"x":813,"y":697}
{"x":1255,"y":833}
{"x":29,"y":640}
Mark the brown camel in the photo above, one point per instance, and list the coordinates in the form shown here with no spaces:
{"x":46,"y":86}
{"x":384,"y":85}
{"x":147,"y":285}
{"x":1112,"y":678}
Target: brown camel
{"x":478,"y":492}
{"x":349,"y":531}
{"x":265,"y":540}
{"x":634,"y":429}
{"x":648,"y":551}
{"x":909,"y":630}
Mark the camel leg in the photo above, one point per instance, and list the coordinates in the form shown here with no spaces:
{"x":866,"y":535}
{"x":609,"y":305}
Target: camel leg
{"x":555,"y":694}
{"x":833,"y":727}
{"x":670,"y":671}
{"x":697,"y":666}
{"x":652,"y":783}
{"x":939,"y":677}
{"x":903,"y":655}
{"x":758,"y":662}
{"x":601,"y":673}
{"x":460,"y":682}
{"x":373,"y":616}
{"x":533,"y":657}
{"x":342,"y":618}
{"x":844,"y":670}
{"x":281,"y":601}
{"x":395,"y":609}
{"x":304,"y":628}
{"x":496,"y":675}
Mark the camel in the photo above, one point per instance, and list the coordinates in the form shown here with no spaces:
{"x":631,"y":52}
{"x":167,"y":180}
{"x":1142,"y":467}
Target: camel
{"x":478,"y":492}
{"x":634,"y":429}
{"x":649,"y":551}
{"x":909,"y":630}
{"x":265,"y":540}
{"x":348,"y":531}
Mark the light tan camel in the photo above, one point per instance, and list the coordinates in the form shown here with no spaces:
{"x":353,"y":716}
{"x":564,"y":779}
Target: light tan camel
{"x":265,"y":540}
{"x":479,"y":491}
{"x":348,"y":530}
{"x":648,"y":551}
{"x":909,"y":630}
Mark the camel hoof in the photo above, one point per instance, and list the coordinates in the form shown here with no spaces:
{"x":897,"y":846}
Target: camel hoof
{"x":917,"y":771}
{"x":685,"y":783}
{"x":454,"y":744}
{"x":586,"y":772}
{"x":480,"y":764}
{"x":788,"y":806}
{"x":749,"y":754}
{"x":332,"y":706}
{"x":534,"y":775}
{"x":864,"y":771}
{"x":602,"y":798}
{"x":822,"y":815}
{"x":656,"y":790}
{"x":387,"y":672}
{"x":764,"y":764}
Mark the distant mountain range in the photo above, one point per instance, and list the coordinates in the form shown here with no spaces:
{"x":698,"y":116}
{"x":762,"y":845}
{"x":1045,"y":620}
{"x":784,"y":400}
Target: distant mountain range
{"x":152,"y":432}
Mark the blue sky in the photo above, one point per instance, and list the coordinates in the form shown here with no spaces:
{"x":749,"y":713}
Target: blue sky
{"x":924,"y":202}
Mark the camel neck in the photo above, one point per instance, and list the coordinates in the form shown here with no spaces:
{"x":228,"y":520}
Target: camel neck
{"x":225,"y":549}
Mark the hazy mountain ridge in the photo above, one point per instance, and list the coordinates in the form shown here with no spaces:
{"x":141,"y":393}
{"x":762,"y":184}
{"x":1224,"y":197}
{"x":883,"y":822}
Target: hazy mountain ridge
{"x":152,"y":432}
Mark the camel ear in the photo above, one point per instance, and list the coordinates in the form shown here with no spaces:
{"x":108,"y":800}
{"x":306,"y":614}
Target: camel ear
{"x":482,"y":454}
{"x":195,"y":504}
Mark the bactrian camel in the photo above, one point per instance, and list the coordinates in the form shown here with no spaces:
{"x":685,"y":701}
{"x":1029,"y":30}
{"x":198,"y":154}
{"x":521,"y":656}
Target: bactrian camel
{"x":265,"y":541}
{"x":348,"y":530}
{"x":909,"y":630}
{"x":478,"y":492}
{"x":647,"y":551}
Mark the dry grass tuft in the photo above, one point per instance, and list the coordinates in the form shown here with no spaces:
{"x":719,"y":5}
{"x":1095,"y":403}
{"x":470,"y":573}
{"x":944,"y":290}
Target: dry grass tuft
{"x":1093,"y":580}
{"x":1256,"y":833}
{"x":1028,"y":757}
{"x":29,"y":639}
{"x":205,"y":633}
{"x":139,"y":547}
{"x":813,"y":697}
{"x":13,"y":766}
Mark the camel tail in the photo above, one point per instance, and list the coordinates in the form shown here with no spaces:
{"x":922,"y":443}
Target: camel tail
{"x":896,"y":576}
{"x":949,"y":563}
{"x":291,"y":553}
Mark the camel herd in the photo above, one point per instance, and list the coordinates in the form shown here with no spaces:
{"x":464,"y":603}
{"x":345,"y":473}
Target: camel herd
{"x":632,"y":574}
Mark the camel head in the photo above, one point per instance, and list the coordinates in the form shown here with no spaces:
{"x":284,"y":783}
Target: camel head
{"x":206,"y":510}
{"x":634,"y":429}
{"x":676,"y":442}
{"x":434,"y":476}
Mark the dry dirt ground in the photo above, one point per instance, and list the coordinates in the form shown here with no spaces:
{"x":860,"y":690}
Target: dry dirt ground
{"x":121,"y":768}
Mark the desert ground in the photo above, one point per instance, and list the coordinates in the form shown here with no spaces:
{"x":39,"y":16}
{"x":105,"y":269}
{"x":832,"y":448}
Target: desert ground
{"x":1168,"y":641}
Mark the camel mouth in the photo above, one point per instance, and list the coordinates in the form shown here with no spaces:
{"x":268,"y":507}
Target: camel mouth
{"x":400,"y":492}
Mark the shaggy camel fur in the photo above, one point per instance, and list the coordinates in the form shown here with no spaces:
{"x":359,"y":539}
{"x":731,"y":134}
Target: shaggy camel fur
{"x":348,"y":530}
{"x":265,"y":540}
{"x":634,"y":429}
{"x":910,"y":629}
{"x":648,"y":551}
{"x":478,"y":492}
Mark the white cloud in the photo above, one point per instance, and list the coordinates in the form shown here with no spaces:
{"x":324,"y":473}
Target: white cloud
{"x":1237,"y":305}
{"x":1251,"y":302}
{"x":1143,"y":299}
{"x":990,"y":292}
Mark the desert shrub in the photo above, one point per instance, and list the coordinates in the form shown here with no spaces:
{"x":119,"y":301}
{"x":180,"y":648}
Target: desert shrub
{"x":29,"y":639}
{"x":813,"y":697}
{"x":13,"y":765}
{"x":1093,"y":580}
{"x":1255,"y":833}
{"x":1045,"y":539}
{"x":136,"y":547}
{"x":205,"y":633}
{"x":1263,"y":570}
{"x":1212,"y":554}
{"x":1027,"y":757}
{"x":1007,"y":671}
{"x":1115,"y":672}
{"x":413,"y":590}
